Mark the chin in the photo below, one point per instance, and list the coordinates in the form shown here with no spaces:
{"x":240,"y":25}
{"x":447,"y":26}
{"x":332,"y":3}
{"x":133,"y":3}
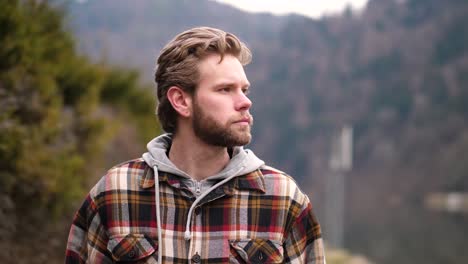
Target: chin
{"x":244,"y":140}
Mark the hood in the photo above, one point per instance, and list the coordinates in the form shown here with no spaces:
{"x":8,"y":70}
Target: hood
{"x":243,"y":161}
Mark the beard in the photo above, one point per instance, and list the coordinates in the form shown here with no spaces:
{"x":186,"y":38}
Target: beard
{"x":214,"y":133}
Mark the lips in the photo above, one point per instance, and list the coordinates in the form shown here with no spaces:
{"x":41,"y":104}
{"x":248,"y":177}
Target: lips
{"x":247,"y":120}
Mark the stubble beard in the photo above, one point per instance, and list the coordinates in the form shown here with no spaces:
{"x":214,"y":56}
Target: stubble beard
{"x":212,"y":132}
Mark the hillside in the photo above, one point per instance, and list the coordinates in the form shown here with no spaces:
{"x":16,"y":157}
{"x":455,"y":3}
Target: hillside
{"x":397,"y":72}
{"x":132,"y":35}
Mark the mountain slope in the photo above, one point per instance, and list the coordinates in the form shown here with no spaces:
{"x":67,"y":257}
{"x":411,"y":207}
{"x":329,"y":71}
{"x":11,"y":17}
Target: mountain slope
{"x":397,"y":73}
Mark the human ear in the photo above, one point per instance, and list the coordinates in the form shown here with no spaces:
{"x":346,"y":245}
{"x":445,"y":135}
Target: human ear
{"x":180,"y":100}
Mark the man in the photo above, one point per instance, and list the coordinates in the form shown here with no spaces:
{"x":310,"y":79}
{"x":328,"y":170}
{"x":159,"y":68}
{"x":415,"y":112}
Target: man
{"x":197,"y":195}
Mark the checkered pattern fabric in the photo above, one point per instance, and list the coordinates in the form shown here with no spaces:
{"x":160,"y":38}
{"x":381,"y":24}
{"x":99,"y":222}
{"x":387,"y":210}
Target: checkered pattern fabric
{"x":260,"y":217}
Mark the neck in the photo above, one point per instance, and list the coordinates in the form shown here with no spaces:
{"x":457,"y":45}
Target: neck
{"x":197,"y":158}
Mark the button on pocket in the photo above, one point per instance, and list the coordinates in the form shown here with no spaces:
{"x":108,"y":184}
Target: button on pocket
{"x":259,"y":257}
{"x":196,"y":258}
{"x":256,"y":251}
{"x":131,"y":254}
{"x":131,"y":247}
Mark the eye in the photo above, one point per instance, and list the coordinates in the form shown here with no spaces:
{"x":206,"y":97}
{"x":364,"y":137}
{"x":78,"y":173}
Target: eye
{"x":246,"y":91}
{"x":225,"y":89}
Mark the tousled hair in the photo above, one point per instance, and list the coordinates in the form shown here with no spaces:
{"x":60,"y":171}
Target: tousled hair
{"x":177,"y":65}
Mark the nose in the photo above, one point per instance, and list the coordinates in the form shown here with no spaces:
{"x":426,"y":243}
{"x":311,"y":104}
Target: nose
{"x":243,"y":102}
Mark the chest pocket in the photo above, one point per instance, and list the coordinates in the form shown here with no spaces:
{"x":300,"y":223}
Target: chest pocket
{"x":256,"y":251}
{"x":131,"y":247}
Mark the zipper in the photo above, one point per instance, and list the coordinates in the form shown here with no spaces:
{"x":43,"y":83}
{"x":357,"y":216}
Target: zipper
{"x":197,"y":188}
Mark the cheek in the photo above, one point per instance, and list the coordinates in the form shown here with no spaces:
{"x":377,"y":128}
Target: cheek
{"x":216,"y":106}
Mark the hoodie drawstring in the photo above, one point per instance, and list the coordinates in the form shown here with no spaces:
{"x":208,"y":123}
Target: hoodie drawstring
{"x":158,"y":212}
{"x":187,"y":234}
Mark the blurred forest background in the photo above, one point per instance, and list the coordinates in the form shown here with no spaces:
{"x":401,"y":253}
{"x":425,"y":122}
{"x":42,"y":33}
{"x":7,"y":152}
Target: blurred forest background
{"x":77,"y":96}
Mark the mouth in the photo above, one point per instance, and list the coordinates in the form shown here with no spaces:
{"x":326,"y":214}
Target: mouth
{"x":244,"y":121}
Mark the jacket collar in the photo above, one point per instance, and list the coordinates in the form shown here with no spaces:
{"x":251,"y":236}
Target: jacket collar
{"x":251,"y":181}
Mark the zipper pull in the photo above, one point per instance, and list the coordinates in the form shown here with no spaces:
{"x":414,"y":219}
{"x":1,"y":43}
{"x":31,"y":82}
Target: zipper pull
{"x":198,"y":188}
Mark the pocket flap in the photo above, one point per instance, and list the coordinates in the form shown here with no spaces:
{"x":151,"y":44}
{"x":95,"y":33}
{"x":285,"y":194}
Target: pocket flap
{"x":131,"y":247}
{"x":257,"y":250}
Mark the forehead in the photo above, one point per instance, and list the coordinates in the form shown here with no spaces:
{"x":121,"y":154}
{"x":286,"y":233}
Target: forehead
{"x":229,"y":70}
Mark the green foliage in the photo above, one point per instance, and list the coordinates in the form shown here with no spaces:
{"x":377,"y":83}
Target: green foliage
{"x":121,"y":89}
{"x":52,"y":124}
{"x":39,"y":145}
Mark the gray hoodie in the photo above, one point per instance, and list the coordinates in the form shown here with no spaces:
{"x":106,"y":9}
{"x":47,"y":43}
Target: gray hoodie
{"x":243,"y":161}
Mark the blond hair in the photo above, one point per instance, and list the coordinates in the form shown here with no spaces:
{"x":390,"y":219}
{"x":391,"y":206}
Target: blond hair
{"x":177,"y":64}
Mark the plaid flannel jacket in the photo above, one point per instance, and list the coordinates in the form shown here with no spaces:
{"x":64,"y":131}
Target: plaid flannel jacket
{"x":260,"y":217}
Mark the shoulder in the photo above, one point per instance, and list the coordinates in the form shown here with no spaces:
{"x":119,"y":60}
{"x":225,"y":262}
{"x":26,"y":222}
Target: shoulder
{"x":275,"y":175}
{"x":279,"y":183}
{"x":267,"y":170}
{"x":126,"y":176}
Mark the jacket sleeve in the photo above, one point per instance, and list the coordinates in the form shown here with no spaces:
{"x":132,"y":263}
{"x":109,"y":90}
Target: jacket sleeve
{"x":87,"y":240}
{"x":304,"y":243}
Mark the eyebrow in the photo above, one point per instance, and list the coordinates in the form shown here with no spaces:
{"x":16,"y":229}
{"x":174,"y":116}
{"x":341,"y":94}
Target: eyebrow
{"x":245,"y":86}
